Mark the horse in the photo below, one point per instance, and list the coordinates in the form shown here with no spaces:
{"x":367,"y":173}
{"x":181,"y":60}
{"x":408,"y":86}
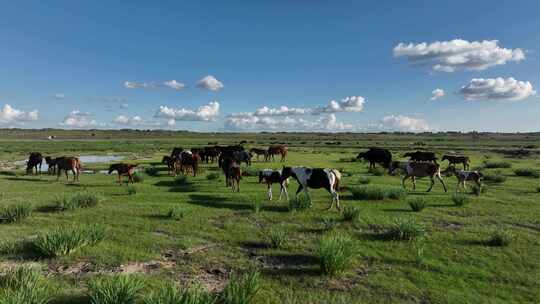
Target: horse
{"x":422,"y":169}
{"x":243,"y":156}
{"x":51,"y":164}
{"x":188,"y":161}
{"x":270,"y":176}
{"x":72,"y":164}
{"x":169,"y":162}
{"x":34,"y":162}
{"x":457,"y":159}
{"x":376,"y":156}
{"x":315,"y":178}
{"x":259,"y":152}
{"x":464,"y":176}
{"x":123,"y":169}
{"x":277,"y":150}
{"x":233,"y":173}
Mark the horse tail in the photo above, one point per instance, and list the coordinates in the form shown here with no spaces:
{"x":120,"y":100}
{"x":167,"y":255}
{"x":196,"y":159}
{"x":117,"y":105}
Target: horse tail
{"x":337,"y":174}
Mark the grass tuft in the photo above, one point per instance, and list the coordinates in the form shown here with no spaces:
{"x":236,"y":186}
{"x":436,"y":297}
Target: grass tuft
{"x":405,"y":230}
{"x":78,"y":200}
{"x":495,"y":177}
{"x":497,"y":164}
{"x":527,"y":172}
{"x":369,"y":192}
{"x":377,"y":171}
{"x":460,"y":199}
{"x":131,"y":190}
{"x":335,"y":253}
{"x":170,"y":294}
{"x":64,"y":240}
{"x":278,"y":237}
{"x":175,"y":213}
{"x":500,"y":237}
{"x":15,"y":212}
{"x":151,"y":171}
{"x":364,"y":180}
{"x":351,"y":214}
{"x":242,"y":289}
{"x":23,"y":285}
{"x":181,"y":180}
{"x":138,"y":177}
{"x":329,"y":224}
{"x":212,"y":176}
{"x":417,"y":204}
{"x":116,"y":289}
{"x":299,"y":203}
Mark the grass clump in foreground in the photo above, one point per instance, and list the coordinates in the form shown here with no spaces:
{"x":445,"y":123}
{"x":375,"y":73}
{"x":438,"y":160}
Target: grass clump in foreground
{"x":64,"y":240}
{"x":405,"y":230}
{"x":15,"y":212}
{"x":335,"y":253}
{"x":351,"y":214}
{"x":78,"y":200}
{"x":181,"y":180}
{"x":364,"y":180}
{"x":170,"y":294}
{"x":299,"y":203}
{"x":500,"y":237}
{"x":242,"y":289}
{"x":152,"y":171}
{"x":460,"y":199}
{"x":131,"y":190}
{"x":138,"y":177}
{"x":527,"y":173}
{"x":417,"y":204}
{"x":377,"y":192}
{"x":278,"y":237}
{"x":23,"y":285}
{"x":116,"y":289}
{"x":377,"y":171}
{"x":495,"y":177}
{"x":496,"y":164}
{"x":175,"y":213}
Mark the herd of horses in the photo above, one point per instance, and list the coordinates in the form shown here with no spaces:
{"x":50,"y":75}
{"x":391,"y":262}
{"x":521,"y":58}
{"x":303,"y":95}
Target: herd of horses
{"x":230,"y":159}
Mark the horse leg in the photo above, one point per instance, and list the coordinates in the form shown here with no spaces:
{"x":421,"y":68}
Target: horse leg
{"x":432,"y":183}
{"x":403,"y":181}
{"x":414,"y":182}
{"x":269,"y":191}
{"x":442,"y":182}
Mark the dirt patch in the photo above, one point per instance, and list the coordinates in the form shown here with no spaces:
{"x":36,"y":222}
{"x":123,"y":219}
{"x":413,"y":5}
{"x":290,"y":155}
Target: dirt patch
{"x":445,"y":225}
{"x":146,"y":267}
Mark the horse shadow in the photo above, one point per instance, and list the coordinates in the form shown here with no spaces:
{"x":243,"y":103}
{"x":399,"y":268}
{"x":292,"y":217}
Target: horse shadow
{"x":27,"y":179}
{"x":174,"y":186}
{"x":290,"y":265}
{"x":217,"y":202}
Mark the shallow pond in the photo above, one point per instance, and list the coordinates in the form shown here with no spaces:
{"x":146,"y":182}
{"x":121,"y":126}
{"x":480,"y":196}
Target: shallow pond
{"x":85,"y":159}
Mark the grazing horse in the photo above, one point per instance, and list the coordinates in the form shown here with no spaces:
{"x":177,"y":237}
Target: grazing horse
{"x":176,"y":152}
{"x":72,"y":164}
{"x":243,"y":157}
{"x":51,"y":164}
{"x":259,"y":152}
{"x":277,"y":150}
{"x":270,"y":176}
{"x":315,"y":178}
{"x":34,"y":161}
{"x":233,"y":173}
{"x":464,"y":176}
{"x":189,"y":161}
{"x":422,"y":169}
{"x":211,"y":154}
{"x":455,"y":159}
{"x":376,"y":156}
{"x":169,"y":162}
{"x":421,"y":156}
{"x":123,"y":169}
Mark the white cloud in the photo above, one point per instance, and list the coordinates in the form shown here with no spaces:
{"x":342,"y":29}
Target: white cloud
{"x":59,"y":96}
{"x":173,"y":84}
{"x":497,"y":89}
{"x":12,"y":115}
{"x":203,"y":113}
{"x":457,"y":54}
{"x":128,"y":121}
{"x":210,"y":83}
{"x":281,"y":111}
{"x":78,"y":119}
{"x":404,"y":123}
{"x":437,"y":93}
{"x":347,"y":104}
{"x":251,"y":122}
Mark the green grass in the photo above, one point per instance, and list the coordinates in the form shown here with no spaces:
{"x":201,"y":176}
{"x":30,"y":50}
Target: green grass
{"x":351,"y":214}
{"x":496,"y":164}
{"x":78,"y":200}
{"x":372,"y":192}
{"x":299,"y":203}
{"x":64,"y":240}
{"x":116,"y":289}
{"x":151,"y":171}
{"x":15,"y":212}
{"x":527,"y":172}
{"x":377,"y":171}
{"x":212,"y":176}
{"x":460,"y":199}
{"x":364,"y":180}
{"x":139,"y":177}
{"x":131,"y":190}
{"x":278,"y":237}
{"x":405,"y":229}
{"x":175,"y":213}
{"x":170,"y":294}
{"x":500,"y":237}
{"x":23,"y":285}
{"x":335,"y":253}
{"x":220,"y":234}
{"x":242,"y":289}
{"x":417,"y":204}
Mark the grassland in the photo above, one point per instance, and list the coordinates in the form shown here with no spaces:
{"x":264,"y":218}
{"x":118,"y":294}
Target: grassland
{"x":199,"y":231}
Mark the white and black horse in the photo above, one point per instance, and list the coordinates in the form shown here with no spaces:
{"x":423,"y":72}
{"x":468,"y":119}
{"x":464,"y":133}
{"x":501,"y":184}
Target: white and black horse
{"x":315,"y":178}
{"x":270,"y":177}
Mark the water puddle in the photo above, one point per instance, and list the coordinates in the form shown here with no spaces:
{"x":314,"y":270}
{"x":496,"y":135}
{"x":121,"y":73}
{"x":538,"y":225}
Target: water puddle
{"x":85,"y":159}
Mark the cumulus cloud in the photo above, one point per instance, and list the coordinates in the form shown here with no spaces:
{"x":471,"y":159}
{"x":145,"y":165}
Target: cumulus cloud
{"x":59,"y":96}
{"x":210,"y":83}
{"x":497,"y":89}
{"x":281,"y":111}
{"x":347,"y":104}
{"x":437,"y":93}
{"x":250,"y":122}
{"x":203,"y":113}
{"x":78,"y":119}
{"x":404,"y":123}
{"x":128,"y":121}
{"x":173,"y":84}
{"x":457,"y":54}
{"x":12,"y":115}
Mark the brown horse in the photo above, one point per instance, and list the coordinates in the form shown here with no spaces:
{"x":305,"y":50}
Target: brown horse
{"x":259,"y":152}
{"x":123,"y":169}
{"x":72,"y":164}
{"x":51,"y":163}
{"x":233,"y":173}
{"x":277,"y":150}
{"x":188,"y":162}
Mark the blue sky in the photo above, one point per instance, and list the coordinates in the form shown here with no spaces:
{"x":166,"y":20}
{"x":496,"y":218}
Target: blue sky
{"x":66,"y":63}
